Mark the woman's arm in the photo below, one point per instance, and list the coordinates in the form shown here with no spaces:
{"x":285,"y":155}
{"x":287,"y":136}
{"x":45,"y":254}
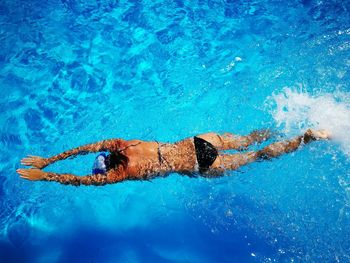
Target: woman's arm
{"x":105,"y":145}
{"x":96,"y":179}
{"x":113,"y":176}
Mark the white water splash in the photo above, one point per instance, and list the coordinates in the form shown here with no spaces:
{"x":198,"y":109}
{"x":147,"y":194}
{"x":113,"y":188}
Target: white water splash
{"x":296,"y":111}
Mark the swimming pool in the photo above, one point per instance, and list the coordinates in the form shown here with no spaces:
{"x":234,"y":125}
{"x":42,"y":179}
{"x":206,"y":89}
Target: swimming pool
{"x":74,"y":72}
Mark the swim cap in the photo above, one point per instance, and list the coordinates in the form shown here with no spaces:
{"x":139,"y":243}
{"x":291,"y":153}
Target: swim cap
{"x":99,"y":166}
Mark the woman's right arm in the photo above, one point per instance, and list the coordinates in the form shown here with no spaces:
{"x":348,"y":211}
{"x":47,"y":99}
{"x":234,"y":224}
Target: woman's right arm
{"x":105,"y":145}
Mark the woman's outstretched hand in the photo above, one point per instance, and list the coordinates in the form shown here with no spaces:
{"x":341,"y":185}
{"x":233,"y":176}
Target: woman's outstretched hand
{"x":31,"y":174}
{"x":36,"y":161}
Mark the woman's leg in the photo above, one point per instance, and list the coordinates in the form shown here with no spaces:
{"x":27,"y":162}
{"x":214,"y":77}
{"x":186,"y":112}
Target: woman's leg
{"x":234,"y":161}
{"x":229,"y":141}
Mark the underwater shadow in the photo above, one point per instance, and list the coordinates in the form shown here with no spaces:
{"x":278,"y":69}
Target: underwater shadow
{"x":178,"y":239}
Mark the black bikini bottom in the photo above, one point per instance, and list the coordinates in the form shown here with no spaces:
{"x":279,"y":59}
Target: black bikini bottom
{"x":206,"y":153}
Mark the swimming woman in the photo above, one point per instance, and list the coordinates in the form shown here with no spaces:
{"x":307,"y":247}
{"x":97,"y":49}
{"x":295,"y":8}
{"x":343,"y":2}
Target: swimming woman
{"x":142,"y":160}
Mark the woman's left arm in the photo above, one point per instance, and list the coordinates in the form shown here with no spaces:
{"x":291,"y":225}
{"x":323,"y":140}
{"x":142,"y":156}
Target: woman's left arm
{"x":112,"y":176}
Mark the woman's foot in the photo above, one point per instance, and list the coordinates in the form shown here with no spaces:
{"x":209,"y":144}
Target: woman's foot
{"x":318,"y":134}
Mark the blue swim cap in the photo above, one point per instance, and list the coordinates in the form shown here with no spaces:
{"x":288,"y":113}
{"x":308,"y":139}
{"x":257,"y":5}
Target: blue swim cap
{"x":99,"y":166}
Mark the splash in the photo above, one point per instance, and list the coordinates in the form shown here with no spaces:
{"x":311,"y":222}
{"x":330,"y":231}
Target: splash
{"x":295,"y":111}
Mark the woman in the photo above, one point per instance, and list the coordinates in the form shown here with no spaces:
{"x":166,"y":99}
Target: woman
{"x":138,"y":160}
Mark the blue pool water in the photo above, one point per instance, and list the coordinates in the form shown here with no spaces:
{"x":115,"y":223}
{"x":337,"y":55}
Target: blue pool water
{"x":75,"y":72}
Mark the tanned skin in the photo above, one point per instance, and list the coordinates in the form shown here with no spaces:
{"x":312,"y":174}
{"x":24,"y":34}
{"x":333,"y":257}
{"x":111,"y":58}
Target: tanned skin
{"x":179,"y":157}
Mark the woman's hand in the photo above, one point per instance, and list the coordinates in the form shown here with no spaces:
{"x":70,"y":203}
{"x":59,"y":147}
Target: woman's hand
{"x":31,"y":174}
{"x":36,"y":161}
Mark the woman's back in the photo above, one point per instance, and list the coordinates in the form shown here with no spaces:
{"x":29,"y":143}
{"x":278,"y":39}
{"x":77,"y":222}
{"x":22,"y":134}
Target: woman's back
{"x":149,"y":158}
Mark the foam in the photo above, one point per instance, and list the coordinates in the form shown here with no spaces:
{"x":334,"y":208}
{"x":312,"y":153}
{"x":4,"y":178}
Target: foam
{"x":295,"y":111}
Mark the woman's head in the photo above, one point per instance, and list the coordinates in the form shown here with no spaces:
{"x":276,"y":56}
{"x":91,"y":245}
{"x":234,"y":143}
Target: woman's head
{"x":99,"y":166}
{"x":103,"y":163}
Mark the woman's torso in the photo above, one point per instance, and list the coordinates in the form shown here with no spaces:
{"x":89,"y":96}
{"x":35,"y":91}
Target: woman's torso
{"x":147,"y":159}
